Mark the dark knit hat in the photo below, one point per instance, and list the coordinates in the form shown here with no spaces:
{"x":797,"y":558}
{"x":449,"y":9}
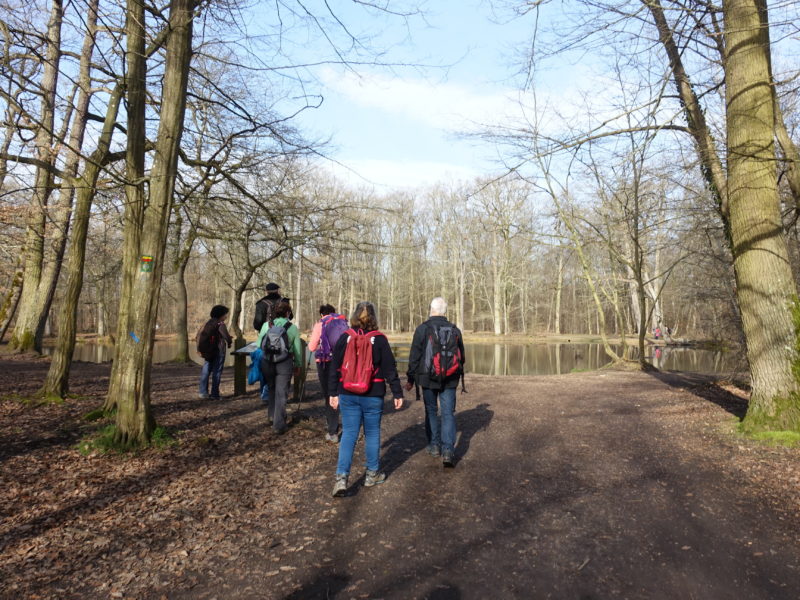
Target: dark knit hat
{"x":273,"y":287}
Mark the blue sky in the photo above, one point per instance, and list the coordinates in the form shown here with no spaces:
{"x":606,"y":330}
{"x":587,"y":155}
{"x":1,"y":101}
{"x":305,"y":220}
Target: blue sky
{"x":399,"y":127}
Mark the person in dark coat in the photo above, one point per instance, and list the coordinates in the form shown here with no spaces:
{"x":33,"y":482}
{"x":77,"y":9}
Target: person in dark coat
{"x":215,"y":360}
{"x":265,"y":312}
{"x":439,"y":396}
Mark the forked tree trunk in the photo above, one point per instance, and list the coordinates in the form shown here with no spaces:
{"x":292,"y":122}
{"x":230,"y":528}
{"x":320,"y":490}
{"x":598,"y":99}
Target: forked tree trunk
{"x":146,"y":224}
{"x":57,"y":380}
{"x":765,"y":287}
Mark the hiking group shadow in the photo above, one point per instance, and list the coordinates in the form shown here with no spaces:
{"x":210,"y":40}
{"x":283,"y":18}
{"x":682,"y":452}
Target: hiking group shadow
{"x":404,"y":444}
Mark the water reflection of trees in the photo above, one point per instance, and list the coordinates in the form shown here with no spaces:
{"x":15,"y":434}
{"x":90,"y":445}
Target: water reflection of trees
{"x":502,"y":359}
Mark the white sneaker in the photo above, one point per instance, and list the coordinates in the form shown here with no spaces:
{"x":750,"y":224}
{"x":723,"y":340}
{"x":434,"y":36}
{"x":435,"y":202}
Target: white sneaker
{"x":332,"y":437}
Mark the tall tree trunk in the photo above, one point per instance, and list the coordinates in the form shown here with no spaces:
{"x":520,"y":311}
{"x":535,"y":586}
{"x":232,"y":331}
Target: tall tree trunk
{"x":297,"y":300}
{"x":57,"y":381}
{"x":28,"y":327}
{"x":237,"y":293}
{"x":791,"y":155}
{"x":182,"y":318}
{"x":146,"y":229}
{"x":710,"y":165}
{"x":135,"y":204}
{"x":10,"y":302}
{"x":497,"y":304}
{"x":101,"y":319}
{"x":765,"y":286}
{"x":557,"y":301}
{"x":461,"y":315}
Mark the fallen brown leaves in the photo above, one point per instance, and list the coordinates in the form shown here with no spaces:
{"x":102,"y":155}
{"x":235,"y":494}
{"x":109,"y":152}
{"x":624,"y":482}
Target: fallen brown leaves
{"x":144,"y":525}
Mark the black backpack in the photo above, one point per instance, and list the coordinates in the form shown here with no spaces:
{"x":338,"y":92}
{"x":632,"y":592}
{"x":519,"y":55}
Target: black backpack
{"x":207,"y":338}
{"x":269,"y":312}
{"x":443,"y":358}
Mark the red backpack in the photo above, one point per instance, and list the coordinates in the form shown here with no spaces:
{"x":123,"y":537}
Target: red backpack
{"x":358,"y":372}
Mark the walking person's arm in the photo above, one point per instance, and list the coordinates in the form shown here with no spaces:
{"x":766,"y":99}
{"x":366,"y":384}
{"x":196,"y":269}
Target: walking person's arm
{"x":223,"y":332}
{"x":333,"y":371}
{"x":388,"y":369}
{"x":316,"y":333}
{"x":415,"y":356}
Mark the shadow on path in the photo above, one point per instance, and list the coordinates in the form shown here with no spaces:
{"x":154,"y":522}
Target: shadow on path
{"x":404,"y":444}
{"x":470,"y":422}
{"x":326,"y":585}
{"x":705,"y":387}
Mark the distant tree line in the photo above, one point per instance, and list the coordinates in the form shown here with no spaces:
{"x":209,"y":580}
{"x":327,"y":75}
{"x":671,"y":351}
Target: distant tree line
{"x":150,"y":168}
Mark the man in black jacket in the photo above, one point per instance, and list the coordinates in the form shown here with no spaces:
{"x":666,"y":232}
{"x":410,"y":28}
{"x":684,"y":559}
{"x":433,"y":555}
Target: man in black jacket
{"x":436,"y":363}
{"x":265,"y":313}
{"x":265,"y":308}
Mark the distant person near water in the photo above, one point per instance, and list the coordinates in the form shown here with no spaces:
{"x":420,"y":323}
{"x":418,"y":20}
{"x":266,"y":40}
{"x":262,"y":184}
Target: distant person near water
{"x":212,"y":341}
{"x":436,"y":363}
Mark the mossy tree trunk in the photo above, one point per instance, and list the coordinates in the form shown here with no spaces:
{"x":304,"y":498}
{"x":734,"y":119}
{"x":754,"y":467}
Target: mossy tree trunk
{"x":765,"y":286}
{"x":147,"y":220}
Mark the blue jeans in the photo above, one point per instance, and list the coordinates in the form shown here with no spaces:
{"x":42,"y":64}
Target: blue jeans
{"x":355,"y":411}
{"x":441,"y":431}
{"x":212,"y":368}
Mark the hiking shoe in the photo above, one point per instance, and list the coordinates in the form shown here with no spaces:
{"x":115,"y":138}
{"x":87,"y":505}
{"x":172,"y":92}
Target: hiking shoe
{"x":202,"y":396}
{"x":434,"y":450}
{"x":447,"y":460}
{"x":213,"y":397}
{"x":332,"y":437}
{"x":374,"y":478}
{"x":340,"y":487}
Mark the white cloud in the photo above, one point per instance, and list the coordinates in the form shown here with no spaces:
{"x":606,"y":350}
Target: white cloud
{"x":407,"y":175}
{"x":446,"y":106}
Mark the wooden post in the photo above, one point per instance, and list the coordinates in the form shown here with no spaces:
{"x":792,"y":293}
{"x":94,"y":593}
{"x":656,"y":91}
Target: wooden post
{"x":239,"y":368}
{"x":300,"y":380}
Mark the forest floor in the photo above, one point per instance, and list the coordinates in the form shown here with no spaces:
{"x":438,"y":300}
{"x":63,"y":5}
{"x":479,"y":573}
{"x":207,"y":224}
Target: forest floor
{"x":607,"y":484}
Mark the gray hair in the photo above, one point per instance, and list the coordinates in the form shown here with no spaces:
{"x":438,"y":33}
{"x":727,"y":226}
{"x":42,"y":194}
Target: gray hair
{"x":438,"y":307}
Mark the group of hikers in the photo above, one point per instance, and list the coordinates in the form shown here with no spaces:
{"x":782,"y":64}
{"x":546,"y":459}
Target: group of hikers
{"x":355,"y":364}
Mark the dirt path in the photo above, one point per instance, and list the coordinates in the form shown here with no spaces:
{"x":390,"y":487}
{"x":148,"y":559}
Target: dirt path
{"x":589,"y":485}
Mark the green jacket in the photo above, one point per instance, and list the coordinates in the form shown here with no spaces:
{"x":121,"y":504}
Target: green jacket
{"x":294,"y":338}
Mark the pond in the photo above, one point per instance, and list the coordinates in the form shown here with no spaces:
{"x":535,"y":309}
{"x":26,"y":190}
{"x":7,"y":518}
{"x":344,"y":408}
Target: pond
{"x":557,"y":359}
{"x":499,"y":359}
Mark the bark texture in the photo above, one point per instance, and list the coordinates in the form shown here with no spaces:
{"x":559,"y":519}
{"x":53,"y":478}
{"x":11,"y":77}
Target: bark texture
{"x":146,"y":232}
{"x":765,"y":285}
